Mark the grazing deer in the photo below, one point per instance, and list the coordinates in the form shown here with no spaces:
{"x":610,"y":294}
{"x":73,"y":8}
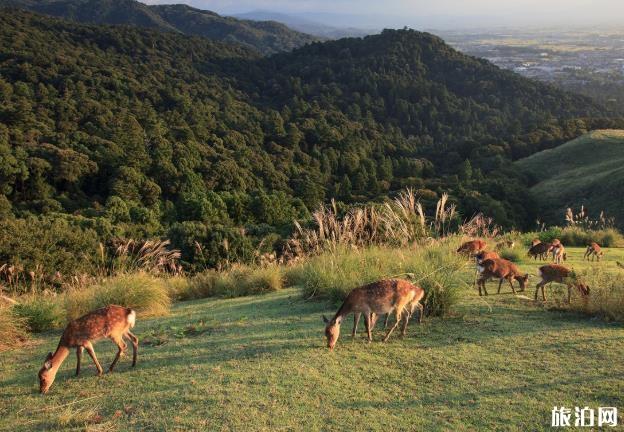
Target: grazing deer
{"x":593,"y":250}
{"x":540,"y":250}
{"x":560,"y":274}
{"x":559,"y":254}
{"x":471,"y":247}
{"x":500,"y":269}
{"x":505,"y":244}
{"x":535,"y":241}
{"x":112,"y":322}
{"x":385,"y":296}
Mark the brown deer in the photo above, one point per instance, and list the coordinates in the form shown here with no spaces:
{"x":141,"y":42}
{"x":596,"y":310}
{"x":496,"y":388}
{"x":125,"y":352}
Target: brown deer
{"x":471,"y":247}
{"x":535,"y":241}
{"x":385,"y":296}
{"x":500,"y":269}
{"x":559,"y":254}
{"x":112,"y":322}
{"x":560,"y":274}
{"x":540,"y":250}
{"x":593,"y":250}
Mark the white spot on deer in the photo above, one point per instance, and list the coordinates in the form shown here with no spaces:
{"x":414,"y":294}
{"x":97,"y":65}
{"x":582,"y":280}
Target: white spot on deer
{"x":132,"y":318}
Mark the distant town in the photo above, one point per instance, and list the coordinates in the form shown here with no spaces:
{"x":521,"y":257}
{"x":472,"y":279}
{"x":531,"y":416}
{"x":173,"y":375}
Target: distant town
{"x":589,"y":62}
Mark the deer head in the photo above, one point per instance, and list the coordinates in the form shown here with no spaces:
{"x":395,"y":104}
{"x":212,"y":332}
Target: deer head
{"x":332,"y":331}
{"x":46,"y":375}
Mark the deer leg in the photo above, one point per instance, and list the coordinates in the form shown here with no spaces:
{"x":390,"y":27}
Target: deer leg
{"x":78,"y":359}
{"x":405,"y":321}
{"x":537,"y":288}
{"x":122,"y":347}
{"x":421,"y":312}
{"x":89,"y":347}
{"x":513,"y":290}
{"x":500,"y":283}
{"x":386,"y":321}
{"x":356,"y":321}
{"x":569,"y":293}
{"x":135,"y":347}
{"x":398,"y":319}
{"x":367,"y":323}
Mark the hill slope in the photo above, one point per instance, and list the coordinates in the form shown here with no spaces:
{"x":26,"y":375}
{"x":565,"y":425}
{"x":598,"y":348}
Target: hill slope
{"x":140,"y":130}
{"x":586,"y":171}
{"x":267,"y":37}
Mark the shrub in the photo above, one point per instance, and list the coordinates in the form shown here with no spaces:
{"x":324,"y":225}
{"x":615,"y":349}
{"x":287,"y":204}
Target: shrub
{"x":146,"y":294}
{"x":12,"y":329}
{"x":606,"y":298}
{"x":178,"y":287}
{"x":437,"y":269}
{"x":240,"y":280}
{"x":40,"y":313}
{"x":513,"y":255}
{"x":574,"y":236}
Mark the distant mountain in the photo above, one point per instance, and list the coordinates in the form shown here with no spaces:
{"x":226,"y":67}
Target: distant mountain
{"x":306,"y":25}
{"x":587,"y":171}
{"x":266,"y":37}
{"x":133,"y":130}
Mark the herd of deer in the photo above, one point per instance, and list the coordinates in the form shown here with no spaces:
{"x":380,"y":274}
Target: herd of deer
{"x":391,"y":296}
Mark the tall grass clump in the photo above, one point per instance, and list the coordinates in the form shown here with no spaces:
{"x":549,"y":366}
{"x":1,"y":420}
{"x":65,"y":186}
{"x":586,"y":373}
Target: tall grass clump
{"x":436,"y":268}
{"x":13,"y":330}
{"x":40,"y":313}
{"x":146,"y":294}
{"x":513,"y":255}
{"x":606,"y":298}
{"x":239,"y":280}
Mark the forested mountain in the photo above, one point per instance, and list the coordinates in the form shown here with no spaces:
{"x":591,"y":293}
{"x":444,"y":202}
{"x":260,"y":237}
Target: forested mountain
{"x":266,"y":37}
{"x":133,"y":132}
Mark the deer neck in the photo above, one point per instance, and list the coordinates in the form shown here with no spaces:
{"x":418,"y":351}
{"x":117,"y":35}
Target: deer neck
{"x":58,"y":358}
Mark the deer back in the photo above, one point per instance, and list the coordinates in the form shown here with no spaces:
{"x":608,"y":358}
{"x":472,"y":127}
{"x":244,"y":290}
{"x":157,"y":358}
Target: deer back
{"x":110,"y":321}
{"x":553,"y":272}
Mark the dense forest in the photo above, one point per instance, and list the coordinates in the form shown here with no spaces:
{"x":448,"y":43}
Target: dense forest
{"x":129,"y":132}
{"x":266,"y":37}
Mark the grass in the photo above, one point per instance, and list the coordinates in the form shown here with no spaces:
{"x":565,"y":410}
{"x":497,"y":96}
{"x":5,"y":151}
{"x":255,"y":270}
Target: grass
{"x":436,"y":268}
{"x":588,"y":170}
{"x":140,"y":291}
{"x":259,"y":363}
{"x":13,"y":329}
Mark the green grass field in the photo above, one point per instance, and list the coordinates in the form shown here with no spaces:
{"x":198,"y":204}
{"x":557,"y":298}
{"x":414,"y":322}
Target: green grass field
{"x":259,"y":363}
{"x":588,"y":170}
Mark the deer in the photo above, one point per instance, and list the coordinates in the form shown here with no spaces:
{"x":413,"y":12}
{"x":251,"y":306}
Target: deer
{"x":539,"y":250}
{"x":500,"y":269}
{"x":559,"y":254}
{"x":471,"y":247}
{"x":112,"y":322}
{"x":396,"y":296}
{"x":535,"y":241}
{"x":560,"y":274}
{"x":593,"y":250}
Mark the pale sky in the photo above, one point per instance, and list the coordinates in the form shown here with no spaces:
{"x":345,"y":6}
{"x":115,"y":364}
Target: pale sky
{"x":410,"y":12}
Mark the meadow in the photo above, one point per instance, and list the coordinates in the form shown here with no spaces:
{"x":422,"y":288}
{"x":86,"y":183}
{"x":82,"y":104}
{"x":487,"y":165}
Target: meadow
{"x":260,"y":363}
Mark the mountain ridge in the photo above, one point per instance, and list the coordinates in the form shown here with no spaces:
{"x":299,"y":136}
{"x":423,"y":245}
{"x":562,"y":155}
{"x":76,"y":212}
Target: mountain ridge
{"x":267,"y":37}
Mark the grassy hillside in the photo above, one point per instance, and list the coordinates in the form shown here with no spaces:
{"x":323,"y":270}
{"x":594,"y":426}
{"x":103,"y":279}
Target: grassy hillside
{"x":588,"y":170}
{"x":267,"y":37}
{"x":259,"y":363}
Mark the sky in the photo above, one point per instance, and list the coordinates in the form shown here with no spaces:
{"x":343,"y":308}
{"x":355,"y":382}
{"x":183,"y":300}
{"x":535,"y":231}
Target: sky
{"x":445,"y":13}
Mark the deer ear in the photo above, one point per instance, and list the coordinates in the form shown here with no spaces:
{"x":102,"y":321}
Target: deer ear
{"x":48,"y":361}
{"x":325,"y":320}
{"x":338,"y":320}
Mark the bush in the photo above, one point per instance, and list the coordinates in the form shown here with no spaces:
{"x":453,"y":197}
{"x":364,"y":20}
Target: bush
{"x":513,"y":255}
{"x":12,"y":329}
{"x":574,"y":236}
{"x":146,"y":294}
{"x":437,"y":269}
{"x":40,"y":313}
{"x":240,"y":280}
{"x":178,"y":287}
{"x":606,"y":297}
